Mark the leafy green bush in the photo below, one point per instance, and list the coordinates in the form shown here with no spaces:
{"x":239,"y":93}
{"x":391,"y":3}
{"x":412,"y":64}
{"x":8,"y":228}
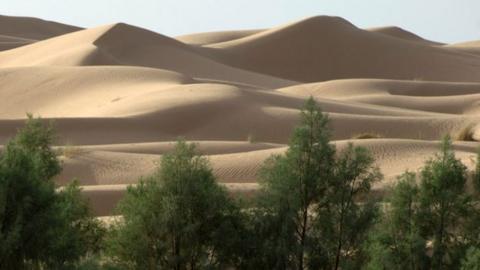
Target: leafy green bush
{"x":177,"y":218}
{"x":39,"y":227}
{"x":308,"y":214}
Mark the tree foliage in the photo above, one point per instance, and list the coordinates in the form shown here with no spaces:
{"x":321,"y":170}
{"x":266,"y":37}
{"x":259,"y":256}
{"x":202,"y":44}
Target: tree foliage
{"x":39,"y":227}
{"x":178,"y":218}
{"x":345,"y":216}
{"x":308,"y":214}
{"x":472,"y":259}
{"x":428,"y":225}
{"x":396,"y":242}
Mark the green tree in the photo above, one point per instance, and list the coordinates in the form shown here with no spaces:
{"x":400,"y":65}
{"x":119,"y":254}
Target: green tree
{"x":445,"y":207}
{"x":291,"y":185}
{"x":438,"y":210}
{"x":178,"y":218}
{"x":33,"y":220}
{"x":307,"y":213}
{"x":76,"y":234}
{"x":346,"y":214}
{"x":396,"y":242}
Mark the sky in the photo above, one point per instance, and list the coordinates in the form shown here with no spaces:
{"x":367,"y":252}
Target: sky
{"x":440,"y":20}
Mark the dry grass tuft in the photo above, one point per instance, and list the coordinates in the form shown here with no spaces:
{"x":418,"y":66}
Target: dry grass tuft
{"x":251,"y":138}
{"x":70,"y":151}
{"x":367,"y":135}
{"x":465,"y":133}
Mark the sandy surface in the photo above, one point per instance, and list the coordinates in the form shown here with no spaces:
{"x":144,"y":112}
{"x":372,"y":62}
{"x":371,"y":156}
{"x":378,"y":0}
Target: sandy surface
{"x":21,"y":31}
{"x":120,"y":95}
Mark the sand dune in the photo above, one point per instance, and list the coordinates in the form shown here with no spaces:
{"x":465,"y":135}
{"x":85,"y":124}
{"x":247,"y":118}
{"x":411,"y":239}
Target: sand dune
{"x":101,"y":105}
{"x":10,"y":42}
{"x":325,"y":48}
{"x":122,"y":44}
{"x":471,"y":47}
{"x":209,"y":38}
{"x":120,"y":95}
{"x":114,"y":170}
{"x":21,"y":31}
{"x":74,"y":91}
{"x":400,"y":33}
{"x":438,"y":97}
{"x":201,"y":39}
{"x":33,"y":28}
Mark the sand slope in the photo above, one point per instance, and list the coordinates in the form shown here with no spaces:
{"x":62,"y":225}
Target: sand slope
{"x":120,"y":95}
{"x":122,"y":44}
{"x":325,"y":48}
{"x":201,"y":39}
{"x":114,"y":170}
{"x":400,"y":33}
{"x":471,"y":47}
{"x":20,"y":31}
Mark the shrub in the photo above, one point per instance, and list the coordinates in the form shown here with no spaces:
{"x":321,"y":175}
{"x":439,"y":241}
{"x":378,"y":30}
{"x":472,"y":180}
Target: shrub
{"x":40,"y":228}
{"x":367,"y":135}
{"x":71,"y":151}
{"x":177,"y":218}
{"x":466,"y":133}
{"x":251,"y":138}
{"x":308,"y":215}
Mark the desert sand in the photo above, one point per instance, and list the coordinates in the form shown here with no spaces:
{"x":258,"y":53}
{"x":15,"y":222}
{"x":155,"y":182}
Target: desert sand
{"x":120,"y":95}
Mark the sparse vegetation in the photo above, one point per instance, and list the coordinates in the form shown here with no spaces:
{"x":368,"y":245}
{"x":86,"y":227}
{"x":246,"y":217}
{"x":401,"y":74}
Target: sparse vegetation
{"x":466,"y":133}
{"x":70,"y":150}
{"x":367,"y":135}
{"x":251,"y":138}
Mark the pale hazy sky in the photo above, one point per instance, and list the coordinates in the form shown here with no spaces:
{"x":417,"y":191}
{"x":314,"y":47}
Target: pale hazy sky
{"x":441,"y":20}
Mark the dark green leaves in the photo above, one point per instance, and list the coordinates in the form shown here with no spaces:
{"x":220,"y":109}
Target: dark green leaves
{"x":38,"y":226}
{"x":176,"y":218}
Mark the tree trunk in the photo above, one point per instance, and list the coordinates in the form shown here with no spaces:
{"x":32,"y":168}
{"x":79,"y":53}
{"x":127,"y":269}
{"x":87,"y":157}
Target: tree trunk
{"x":339,"y":246}
{"x":439,"y":247}
{"x":302,"y":240}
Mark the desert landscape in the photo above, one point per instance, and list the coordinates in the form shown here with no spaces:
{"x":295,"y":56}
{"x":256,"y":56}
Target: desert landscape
{"x":120,"y":95}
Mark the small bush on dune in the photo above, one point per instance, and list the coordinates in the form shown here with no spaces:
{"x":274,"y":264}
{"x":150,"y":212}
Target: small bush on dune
{"x":251,"y":138}
{"x":70,"y":151}
{"x":367,"y":135}
{"x":465,"y":134}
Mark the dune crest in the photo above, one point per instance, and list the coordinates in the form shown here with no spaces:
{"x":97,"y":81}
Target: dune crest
{"x":397,"y":32}
{"x":326,"y":48}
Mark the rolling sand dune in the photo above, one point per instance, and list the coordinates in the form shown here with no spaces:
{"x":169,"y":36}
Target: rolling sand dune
{"x":120,"y":95}
{"x":20,"y":31}
{"x":438,"y":97}
{"x":326,"y":48}
{"x":400,"y":33}
{"x":122,"y":44}
{"x":9,"y":42}
{"x":471,"y":47}
{"x":114,"y":170}
{"x":202,"y":39}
